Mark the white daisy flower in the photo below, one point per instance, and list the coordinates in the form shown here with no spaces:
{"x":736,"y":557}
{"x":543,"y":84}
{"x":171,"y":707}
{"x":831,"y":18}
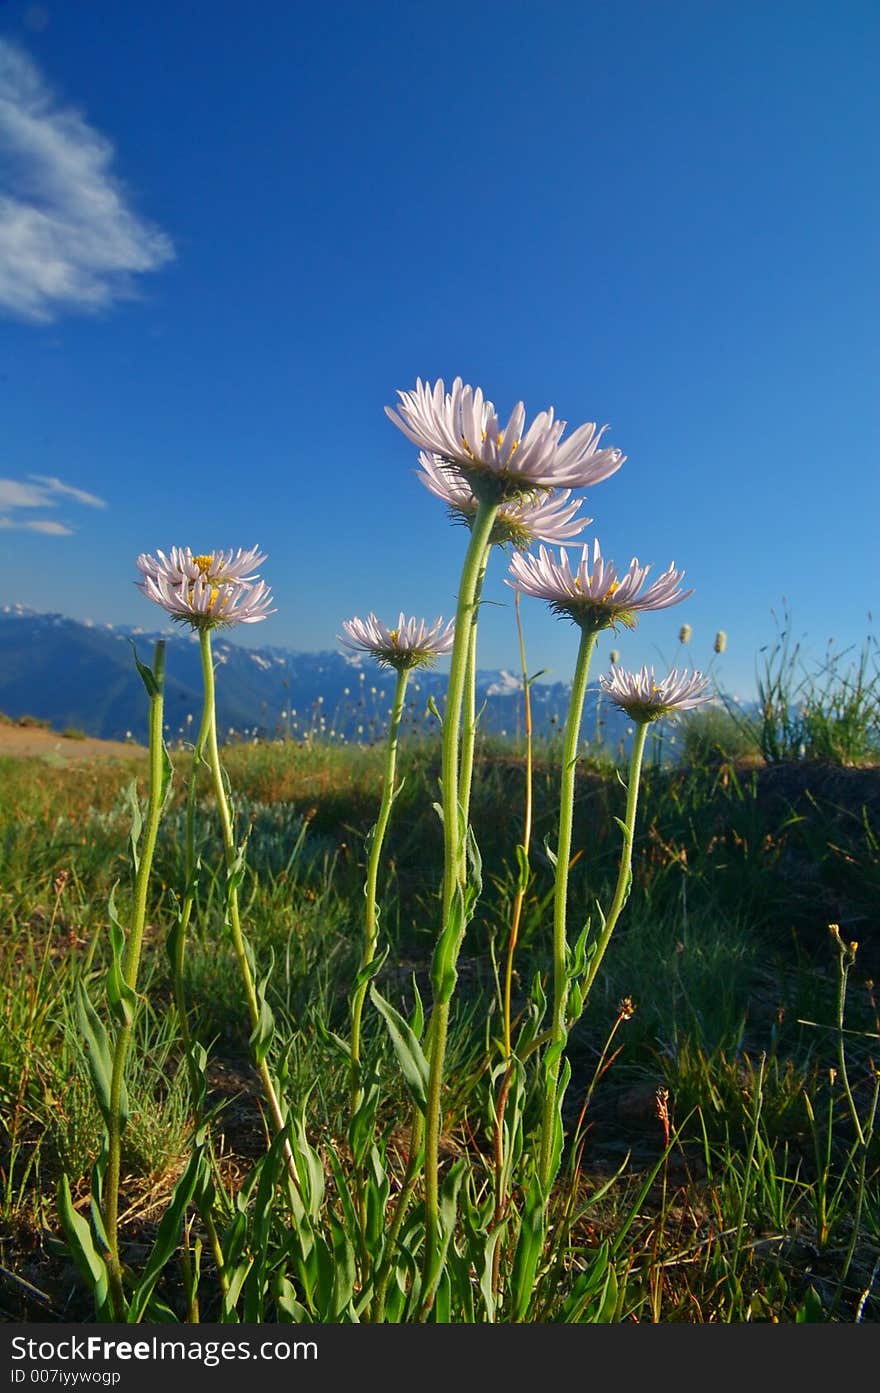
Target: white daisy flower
{"x":539,"y":516}
{"x":208,"y":591}
{"x":595,"y":600}
{"x":412,"y":643}
{"x":498,"y":463}
{"x":643,"y":698}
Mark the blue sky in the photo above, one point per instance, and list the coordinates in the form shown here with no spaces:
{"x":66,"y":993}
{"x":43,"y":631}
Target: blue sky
{"x":229,"y":234}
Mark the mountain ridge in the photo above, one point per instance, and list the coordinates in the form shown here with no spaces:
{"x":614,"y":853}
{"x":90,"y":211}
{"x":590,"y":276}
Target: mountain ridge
{"x":83,"y":675}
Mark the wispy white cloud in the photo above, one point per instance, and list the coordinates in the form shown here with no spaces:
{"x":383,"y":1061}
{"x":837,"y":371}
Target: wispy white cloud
{"x":36,"y":492}
{"x":46,"y":525}
{"x":68,"y":239}
{"x":14,"y":494}
{"x":53,"y":485}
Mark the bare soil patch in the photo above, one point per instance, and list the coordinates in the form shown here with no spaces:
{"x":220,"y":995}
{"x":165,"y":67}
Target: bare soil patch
{"x":37,"y":742}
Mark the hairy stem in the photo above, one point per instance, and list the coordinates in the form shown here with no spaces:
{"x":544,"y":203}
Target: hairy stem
{"x":560,"y":897}
{"x":130,"y":966}
{"x":371,"y":919}
{"x":238,"y":943}
{"x":454,"y":878}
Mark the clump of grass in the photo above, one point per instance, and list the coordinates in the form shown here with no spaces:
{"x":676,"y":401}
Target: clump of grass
{"x":825,"y":709}
{"x":752,"y":1200}
{"x":712,"y":736}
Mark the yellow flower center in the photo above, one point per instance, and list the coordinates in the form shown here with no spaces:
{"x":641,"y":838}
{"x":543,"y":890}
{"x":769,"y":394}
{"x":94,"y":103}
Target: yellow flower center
{"x":204,"y":564}
{"x":395,"y":635}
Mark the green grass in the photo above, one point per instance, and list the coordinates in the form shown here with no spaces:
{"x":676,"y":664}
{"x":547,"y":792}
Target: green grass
{"x":761,"y":1207}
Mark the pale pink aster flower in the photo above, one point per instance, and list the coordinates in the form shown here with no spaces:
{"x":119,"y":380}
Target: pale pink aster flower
{"x":643,"y":698}
{"x":208,"y":591}
{"x":595,"y":600}
{"x":412,"y":643}
{"x":463,"y":428}
{"x":539,"y":516}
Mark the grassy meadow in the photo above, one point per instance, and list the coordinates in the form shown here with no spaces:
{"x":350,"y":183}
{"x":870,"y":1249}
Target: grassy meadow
{"x":721,"y":1161}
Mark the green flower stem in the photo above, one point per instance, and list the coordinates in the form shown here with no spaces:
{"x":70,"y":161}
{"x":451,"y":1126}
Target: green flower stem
{"x":560,"y":897}
{"x":234,"y":916}
{"x":515,"y":920}
{"x":130,"y":966}
{"x":469,"y":721}
{"x":455,"y":868}
{"x":522,"y":884}
{"x":624,"y":875}
{"x":371,"y":926}
{"x":179,"y":959}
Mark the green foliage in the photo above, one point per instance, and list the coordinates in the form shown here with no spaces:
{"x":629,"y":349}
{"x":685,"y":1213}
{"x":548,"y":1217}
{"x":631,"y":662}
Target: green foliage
{"x":712,"y":735}
{"x":826,"y":709}
{"x":763,"y":1206}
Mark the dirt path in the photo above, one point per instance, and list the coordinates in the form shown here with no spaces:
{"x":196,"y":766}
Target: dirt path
{"x":37,"y":742}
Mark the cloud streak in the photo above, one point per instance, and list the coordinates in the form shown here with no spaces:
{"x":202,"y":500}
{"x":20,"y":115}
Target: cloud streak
{"x":45,"y":525}
{"x":69,"y":242}
{"x":36,"y":492}
{"x":49,"y":484}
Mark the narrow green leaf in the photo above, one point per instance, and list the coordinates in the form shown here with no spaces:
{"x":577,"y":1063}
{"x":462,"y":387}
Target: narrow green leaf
{"x":81,"y":1244}
{"x":370,"y":969}
{"x":168,"y":1235}
{"x":529,"y":1248}
{"x":433,"y":709}
{"x":137,"y":824}
{"x":410,"y":1057}
{"x":811,"y":1310}
{"x":121,"y":999}
{"x":99,"y":1054}
{"x":154,"y":688}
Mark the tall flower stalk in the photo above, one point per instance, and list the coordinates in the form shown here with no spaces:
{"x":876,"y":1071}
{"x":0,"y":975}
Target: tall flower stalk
{"x":252,"y":999}
{"x":470,"y":714}
{"x":177,"y":950}
{"x":558,"y":1028}
{"x":596,"y":596}
{"x":409,"y":645}
{"x":129,"y":970}
{"x":207,"y":591}
{"x":498,"y":464}
{"x":454,"y":878}
{"x":644,"y":700}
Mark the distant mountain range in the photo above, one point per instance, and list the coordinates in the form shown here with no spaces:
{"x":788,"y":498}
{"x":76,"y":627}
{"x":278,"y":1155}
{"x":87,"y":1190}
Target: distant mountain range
{"x":83,"y":676}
